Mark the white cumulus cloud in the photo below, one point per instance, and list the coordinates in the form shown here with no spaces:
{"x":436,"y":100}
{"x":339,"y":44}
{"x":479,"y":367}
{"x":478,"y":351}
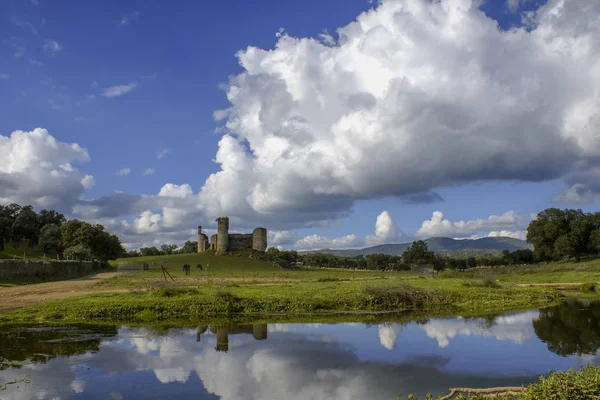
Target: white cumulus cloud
{"x":386,"y":231}
{"x":414,"y":95}
{"x":314,"y":242}
{"x":277,"y":238}
{"x":438,"y":225}
{"x":37,"y":169}
{"x":522,"y":235}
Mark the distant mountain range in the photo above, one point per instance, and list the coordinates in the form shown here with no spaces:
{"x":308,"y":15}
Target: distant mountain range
{"x":468,"y":247}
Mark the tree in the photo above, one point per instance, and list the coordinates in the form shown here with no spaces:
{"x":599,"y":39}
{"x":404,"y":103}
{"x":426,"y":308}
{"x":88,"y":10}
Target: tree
{"x":543,"y":231}
{"x":133,"y":253}
{"x":26,"y":226}
{"x":561,"y":233}
{"x":50,"y":238}
{"x":149,"y":251}
{"x":595,"y":241}
{"x":102,"y":245}
{"x":439,"y":263}
{"x":168,"y":249}
{"x":77,"y":252}
{"x":418,"y":253}
{"x":73,"y":233}
{"x":189,"y":247}
{"x":8,"y":214}
{"x":50,"y":217}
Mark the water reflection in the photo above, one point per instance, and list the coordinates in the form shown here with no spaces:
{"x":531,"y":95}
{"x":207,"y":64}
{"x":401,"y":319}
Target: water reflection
{"x":571,"y":328}
{"x":258,"y":331}
{"x":298,"y":361}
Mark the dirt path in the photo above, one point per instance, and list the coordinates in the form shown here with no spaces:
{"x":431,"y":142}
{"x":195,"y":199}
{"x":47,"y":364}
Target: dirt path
{"x":15,"y":297}
{"x":557,"y":286}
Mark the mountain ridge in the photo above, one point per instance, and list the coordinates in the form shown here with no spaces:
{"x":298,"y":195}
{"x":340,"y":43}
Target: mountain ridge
{"x":435,"y":244}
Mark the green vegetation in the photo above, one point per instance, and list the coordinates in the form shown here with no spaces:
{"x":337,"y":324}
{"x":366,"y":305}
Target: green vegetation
{"x":416,"y":255}
{"x":589,"y":287}
{"x":265,"y":290}
{"x":571,"y":385}
{"x":22,"y":251}
{"x":253,"y":283}
{"x":49,"y":233}
{"x":557,"y":234}
{"x":556,"y":272}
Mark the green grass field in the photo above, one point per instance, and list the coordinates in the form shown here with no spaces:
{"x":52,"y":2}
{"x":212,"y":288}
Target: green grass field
{"x":557,"y":272}
{"x":236,"y":286}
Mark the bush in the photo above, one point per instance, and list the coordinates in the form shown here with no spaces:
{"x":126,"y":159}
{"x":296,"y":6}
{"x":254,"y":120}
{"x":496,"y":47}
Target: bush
{"x":571,"y":385}
{"x":488,"y":281}
{"x":328,"y":280}
{"x":403,"y":296}
{"x":590,"y":287}
{"x":491,"y":282}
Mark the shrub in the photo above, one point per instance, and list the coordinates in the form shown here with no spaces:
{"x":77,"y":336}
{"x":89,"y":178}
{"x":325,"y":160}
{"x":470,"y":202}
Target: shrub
{"x":174,"y":291}
{"x":571,"y":385}
{"x":328,"y":279}
{"x":491,"y":282}
{"x":167,"y":289}
{"x":589,"y":287}
{"x":402,"y":296}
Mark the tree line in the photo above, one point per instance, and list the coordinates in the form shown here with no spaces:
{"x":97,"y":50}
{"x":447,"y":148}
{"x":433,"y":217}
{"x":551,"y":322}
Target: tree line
{"x":416,"y":255}
{"x":51,"y":231}
{"x":555,"y":235}
{"x":165,"y":250}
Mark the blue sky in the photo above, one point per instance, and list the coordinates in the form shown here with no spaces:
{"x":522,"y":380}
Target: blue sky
{"x":128,"y":80}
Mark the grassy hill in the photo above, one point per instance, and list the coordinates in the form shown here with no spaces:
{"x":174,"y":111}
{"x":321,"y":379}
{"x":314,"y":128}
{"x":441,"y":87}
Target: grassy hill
{"x":439,"y":245}
{"x":215,"y":265}
{"x":20,"y":251}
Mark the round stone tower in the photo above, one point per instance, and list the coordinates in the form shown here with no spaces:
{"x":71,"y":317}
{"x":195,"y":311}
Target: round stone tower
{"x":222,"y":339}
{"x":259,"y":239}
{"x":260,"y":331}
{"x":202,"y":245}
{"x":223,"y":232}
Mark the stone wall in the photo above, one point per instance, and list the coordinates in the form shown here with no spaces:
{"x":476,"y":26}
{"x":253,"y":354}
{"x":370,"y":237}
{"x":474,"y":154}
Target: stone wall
{"x":43,"y":269}
{"x":239,"y":241}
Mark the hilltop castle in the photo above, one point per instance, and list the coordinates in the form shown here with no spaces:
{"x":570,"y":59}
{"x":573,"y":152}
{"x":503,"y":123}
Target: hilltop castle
{"x":223,"y":241}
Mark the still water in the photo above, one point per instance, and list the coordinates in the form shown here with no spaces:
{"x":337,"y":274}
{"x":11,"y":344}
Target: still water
{"x":297,"y":361}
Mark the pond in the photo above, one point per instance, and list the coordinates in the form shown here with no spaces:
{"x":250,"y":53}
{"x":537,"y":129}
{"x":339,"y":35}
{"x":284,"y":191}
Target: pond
{"x":297,"y":361}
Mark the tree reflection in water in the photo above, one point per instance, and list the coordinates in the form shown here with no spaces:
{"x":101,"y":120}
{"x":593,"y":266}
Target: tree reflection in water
{"x":571,"y":328}
{"x":24,"y":345}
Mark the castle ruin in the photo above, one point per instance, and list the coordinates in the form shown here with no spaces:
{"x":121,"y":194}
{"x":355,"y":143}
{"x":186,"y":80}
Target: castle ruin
{"x":223,"y":241}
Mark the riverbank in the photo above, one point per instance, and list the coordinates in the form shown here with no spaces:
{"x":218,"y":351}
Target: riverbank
{"x":175,"y":301}
{"x":583,"y":384}
{"x":236,"y":286}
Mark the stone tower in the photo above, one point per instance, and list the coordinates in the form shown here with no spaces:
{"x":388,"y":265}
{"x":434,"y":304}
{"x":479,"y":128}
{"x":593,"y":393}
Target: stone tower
{"x":260,"y":331}
{"x":259,"y":239}
{"x":223,"y":232}
{"x":202,"y":240}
